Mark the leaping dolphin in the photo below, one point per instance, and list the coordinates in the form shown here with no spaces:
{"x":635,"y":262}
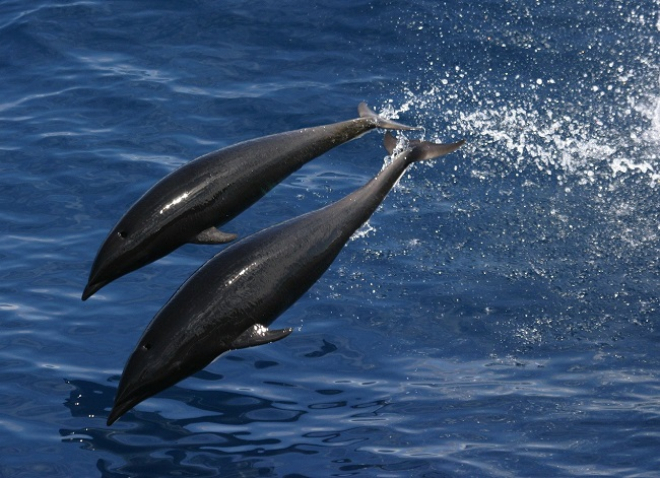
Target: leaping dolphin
{"x":188,"y":204}
{"x":232,"y":299}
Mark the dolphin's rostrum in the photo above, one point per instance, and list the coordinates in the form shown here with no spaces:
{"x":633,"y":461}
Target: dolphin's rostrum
{"x":232,"y":299}
{"x":188,"y":204}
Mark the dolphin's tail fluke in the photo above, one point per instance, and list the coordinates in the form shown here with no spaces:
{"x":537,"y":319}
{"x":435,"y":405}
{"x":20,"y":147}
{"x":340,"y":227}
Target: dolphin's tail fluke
{"x":379,"y":121}
{"x":421,"y":150}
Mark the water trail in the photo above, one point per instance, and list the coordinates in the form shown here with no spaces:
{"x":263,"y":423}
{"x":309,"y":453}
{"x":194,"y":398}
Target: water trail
{"x":592,"y":117}
{"x":546,"y":132}
{"x":560,"y":172}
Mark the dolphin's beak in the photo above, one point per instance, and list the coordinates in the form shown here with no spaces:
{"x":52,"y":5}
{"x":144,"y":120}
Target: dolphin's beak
{"x":119,"y":409}
{"x":127,"y":397}
{"x":91,"y":288}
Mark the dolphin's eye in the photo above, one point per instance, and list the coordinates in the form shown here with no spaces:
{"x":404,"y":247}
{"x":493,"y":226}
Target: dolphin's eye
{"x":122,"y":234}
{"x":146,"y":346}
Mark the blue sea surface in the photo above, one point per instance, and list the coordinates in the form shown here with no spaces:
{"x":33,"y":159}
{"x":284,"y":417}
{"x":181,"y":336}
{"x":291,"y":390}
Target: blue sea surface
{"x":496,"y":317}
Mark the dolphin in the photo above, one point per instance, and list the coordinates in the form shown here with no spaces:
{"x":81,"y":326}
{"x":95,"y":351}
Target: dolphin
{"x":231,"y":300}
{"x":188,"y":204}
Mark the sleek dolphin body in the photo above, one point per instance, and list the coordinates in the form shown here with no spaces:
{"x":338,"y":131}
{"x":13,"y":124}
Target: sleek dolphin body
{"x":188,"y":204}
{"x":232,"y":299}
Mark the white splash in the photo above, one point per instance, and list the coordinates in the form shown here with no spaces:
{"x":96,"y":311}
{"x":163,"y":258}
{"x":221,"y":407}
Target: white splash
{"x":363,"y":231}
{"x":542,"y":131}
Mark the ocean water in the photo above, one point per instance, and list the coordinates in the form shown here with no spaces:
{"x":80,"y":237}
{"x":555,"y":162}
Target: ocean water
{"x":497,"y":317}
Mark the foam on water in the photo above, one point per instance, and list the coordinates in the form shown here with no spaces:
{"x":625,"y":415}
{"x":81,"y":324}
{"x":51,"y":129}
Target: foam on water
{"x":577,"y":144}
{"x":599,"y":123}
{"x":566,"y":144}
{"x":363,"y":231}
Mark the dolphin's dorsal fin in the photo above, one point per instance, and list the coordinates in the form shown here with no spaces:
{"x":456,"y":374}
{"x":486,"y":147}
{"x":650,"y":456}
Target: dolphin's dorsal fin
{"x":213,"y":236}
{"x":259,"y":335}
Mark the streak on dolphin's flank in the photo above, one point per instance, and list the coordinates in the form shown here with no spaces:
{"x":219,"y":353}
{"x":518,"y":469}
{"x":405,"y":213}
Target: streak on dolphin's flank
{"x":232,"y":299}
{"x":188,"y":204}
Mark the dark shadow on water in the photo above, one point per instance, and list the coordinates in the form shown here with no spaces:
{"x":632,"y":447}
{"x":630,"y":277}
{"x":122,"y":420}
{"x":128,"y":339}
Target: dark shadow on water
{"x":151,"y":445}
{"x":327,"y":348}
{"x":322,"y":429}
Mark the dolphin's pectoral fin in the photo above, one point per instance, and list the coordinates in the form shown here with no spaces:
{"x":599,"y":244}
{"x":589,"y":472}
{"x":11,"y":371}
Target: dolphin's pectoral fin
{"x":259,"y":335}
{"x":213,"y":236}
